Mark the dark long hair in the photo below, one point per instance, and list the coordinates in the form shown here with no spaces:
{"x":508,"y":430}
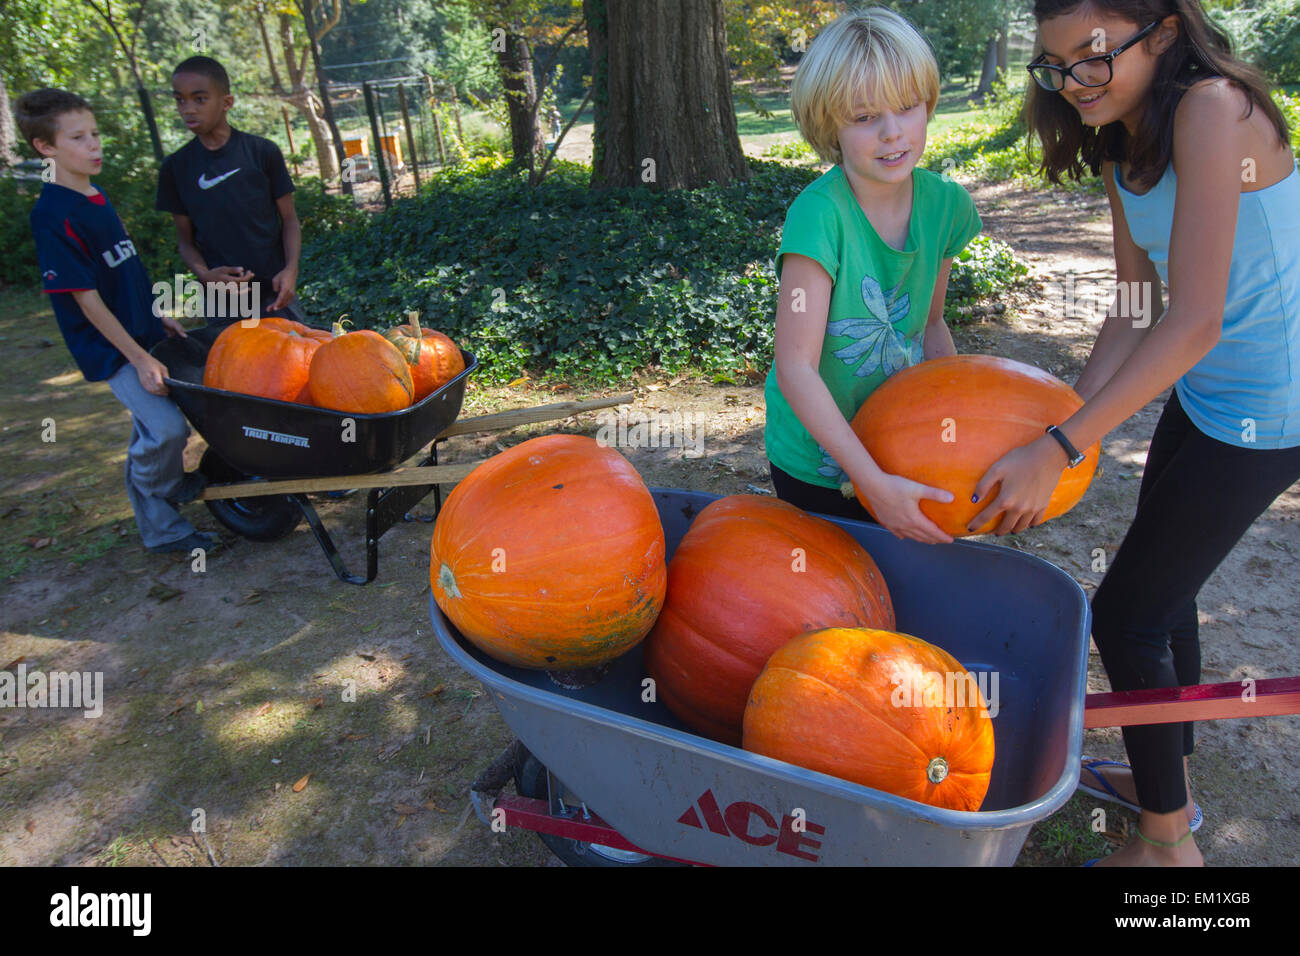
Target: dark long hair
{"x":1202,"y":50}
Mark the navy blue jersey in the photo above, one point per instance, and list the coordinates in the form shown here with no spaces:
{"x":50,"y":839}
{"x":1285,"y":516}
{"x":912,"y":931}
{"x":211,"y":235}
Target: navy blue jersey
{"x":82,"y":244}
{"x":229,"y":193}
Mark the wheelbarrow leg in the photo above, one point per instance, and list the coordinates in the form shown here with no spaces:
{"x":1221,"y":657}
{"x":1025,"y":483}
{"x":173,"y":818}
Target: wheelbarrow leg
{"x":327,"y":543}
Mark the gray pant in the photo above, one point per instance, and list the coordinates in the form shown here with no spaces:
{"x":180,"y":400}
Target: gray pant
{"x":154,"y":459}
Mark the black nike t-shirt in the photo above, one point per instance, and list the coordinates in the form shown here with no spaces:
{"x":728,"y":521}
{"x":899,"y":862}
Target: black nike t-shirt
{"x":229,"y":193}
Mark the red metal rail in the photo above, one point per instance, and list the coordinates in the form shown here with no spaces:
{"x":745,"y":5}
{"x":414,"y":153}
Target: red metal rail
{"x":1166,"y":705}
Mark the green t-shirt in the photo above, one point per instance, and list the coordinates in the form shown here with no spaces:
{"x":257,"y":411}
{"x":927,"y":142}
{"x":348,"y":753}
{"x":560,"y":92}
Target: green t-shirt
{"x":879,"y":304}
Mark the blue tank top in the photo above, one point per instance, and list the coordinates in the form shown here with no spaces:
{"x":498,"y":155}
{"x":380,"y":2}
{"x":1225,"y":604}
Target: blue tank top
{"x":1246,"y":390}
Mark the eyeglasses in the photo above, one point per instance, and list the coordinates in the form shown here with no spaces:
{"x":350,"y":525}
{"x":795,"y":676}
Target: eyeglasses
{"x":1093,"y":71}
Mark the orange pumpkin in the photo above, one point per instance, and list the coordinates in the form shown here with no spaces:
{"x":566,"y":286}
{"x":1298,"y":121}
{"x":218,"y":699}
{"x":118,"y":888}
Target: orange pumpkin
{"x":750,"y":574}
{"x":550,"y":555}
{"x":946,"y":421}
{"x":270,"y":359}
{"x":433,"y":357}
{"x":360,"y":372}
{"x":876,"y":708}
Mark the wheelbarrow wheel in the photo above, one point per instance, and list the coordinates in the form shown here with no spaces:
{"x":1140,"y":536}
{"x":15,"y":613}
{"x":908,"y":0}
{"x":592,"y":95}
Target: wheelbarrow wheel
{"x":530,"y":781}
{"x":264,"y":518}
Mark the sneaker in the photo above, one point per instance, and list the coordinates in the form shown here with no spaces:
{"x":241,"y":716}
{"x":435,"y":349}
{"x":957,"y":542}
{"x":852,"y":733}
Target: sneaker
{"x":196,"y":540}
{"x":189,"y":489}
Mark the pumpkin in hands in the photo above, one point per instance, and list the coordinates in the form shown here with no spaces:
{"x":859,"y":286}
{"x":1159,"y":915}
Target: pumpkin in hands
{"x":946,"y":421}
{"x":433,"y":357}
{"x":270,"y":359}
{"x":360,"y":372}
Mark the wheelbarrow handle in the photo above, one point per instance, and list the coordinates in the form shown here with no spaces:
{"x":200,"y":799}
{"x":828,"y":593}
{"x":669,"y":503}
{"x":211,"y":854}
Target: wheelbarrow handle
{"x":1165,"y":705}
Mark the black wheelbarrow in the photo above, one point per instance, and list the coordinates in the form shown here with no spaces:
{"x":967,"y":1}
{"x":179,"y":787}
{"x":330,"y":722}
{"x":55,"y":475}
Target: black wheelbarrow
{"x":265,"y":457}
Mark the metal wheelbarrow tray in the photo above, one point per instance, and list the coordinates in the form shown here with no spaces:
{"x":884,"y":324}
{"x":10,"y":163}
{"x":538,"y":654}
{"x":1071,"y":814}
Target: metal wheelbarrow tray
{"x":259,"y":438}
{"x":671,"y":793}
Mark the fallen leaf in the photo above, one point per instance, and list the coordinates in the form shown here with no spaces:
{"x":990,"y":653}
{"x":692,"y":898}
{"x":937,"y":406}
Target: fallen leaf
{"x":561,"y":387}
{"x":31,"y":825}
{"x":355,"y":736}
{"x":198,"y":707}
{"x":317,"y":703}
{"x":430,"y":805}
{"x":252,"y":597}
{"x":264,"y":709}
{"x":405,"y":809}
{"x":435,"y":692}
{"x":298,"y":787}
{"x":180,"y":705}
{"x":517,"y":382}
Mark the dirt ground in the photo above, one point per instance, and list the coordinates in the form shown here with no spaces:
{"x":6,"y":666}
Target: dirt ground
{"x":225,"y":688}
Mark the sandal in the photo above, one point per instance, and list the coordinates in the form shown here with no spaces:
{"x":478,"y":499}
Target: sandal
{"x":1107,"y":792}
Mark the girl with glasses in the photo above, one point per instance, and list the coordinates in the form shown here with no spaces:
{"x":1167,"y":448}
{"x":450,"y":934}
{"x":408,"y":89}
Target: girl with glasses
{"x":1205,"y":196}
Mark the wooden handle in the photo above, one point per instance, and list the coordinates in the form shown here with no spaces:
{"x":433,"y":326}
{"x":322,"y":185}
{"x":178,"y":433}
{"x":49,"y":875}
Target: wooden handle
{"x":529,"y":416}
{"x":426,"y":475}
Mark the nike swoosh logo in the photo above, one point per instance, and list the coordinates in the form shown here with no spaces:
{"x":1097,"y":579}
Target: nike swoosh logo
{"x":205,"y":183}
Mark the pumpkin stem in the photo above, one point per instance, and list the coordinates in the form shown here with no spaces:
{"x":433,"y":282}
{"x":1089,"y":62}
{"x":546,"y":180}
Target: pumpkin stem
{"x":447,"y":581}
{"x":846,"y":489}
{"x":937,"y":770}
{"x":415,"y":324}
{"x":341,"y":323}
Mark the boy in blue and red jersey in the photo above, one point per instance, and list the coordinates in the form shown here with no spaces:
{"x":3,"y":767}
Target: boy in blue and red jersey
{"x":102,"y":300}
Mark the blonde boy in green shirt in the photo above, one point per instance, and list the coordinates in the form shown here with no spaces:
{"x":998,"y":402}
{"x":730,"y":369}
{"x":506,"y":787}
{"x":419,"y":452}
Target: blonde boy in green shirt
{"x":863,"y":263}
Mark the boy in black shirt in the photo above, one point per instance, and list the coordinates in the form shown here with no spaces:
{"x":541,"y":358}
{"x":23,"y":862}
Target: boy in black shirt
{"x":102,"y":300}
{"x":232,"y":199}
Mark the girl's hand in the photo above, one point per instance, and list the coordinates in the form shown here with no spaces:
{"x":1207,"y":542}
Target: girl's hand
{"x":896,"y":504}
{"x":1028,"y":476}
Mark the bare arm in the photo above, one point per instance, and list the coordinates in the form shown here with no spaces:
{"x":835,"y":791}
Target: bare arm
{"x":1121,"y":334}
{"x":938,"y":339}
{"x":287,"y":278}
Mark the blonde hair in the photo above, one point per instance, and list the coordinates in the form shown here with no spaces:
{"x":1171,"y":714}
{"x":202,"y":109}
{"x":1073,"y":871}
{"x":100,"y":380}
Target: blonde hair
{"x":871,"y":52}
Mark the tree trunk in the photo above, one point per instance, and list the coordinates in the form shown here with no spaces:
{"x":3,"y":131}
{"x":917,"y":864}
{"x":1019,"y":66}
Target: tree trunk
{"x":8,"y":135}
{"x":664,"y":114}
{"x":309,"y":106}
{"x":515,"y":64}
{"x":989,"y":72}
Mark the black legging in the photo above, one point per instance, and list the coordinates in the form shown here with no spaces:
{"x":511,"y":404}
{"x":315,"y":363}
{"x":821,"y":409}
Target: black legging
{"x":816,"y":498}
{"x":1198,"y":497}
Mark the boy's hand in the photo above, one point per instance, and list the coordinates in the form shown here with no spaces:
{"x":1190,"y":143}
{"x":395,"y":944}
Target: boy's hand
{"x":226,"y":274}
{"x":896,"y":504}
{"x":283,"y":283}
{"x":173,"y":328}
{"x":151,"y":372}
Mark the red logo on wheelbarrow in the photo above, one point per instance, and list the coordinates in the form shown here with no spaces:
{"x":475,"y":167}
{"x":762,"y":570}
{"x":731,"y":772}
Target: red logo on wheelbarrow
{"x":738,"y":821}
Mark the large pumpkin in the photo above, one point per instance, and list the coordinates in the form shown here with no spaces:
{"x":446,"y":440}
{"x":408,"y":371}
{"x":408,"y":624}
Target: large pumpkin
{"x":433,"y":357}
{"x":885,"y":710}
{"x":550,"y":555}
{"x":750,"y":574}
{"x":946,"y":421}
{"x":270,"y":359}
{"x":360,"y":372}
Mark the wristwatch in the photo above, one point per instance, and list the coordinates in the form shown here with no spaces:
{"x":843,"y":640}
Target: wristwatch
{"x":1073,"y":453}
